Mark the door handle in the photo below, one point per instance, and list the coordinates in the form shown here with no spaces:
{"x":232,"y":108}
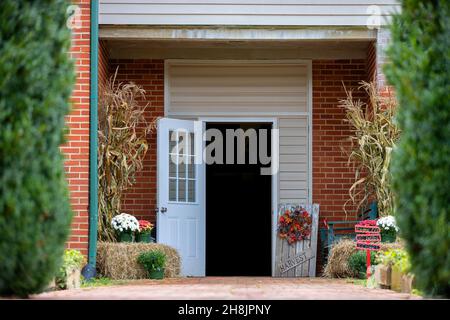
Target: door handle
{"x":163,"y":209}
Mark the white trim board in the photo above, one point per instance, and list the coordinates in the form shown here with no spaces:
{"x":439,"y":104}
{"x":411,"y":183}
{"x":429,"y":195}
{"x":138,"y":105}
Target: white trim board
{"x":233,"y":33}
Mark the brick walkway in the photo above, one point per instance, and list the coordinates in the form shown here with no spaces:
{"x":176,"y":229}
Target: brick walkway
{"x":230,"y":288}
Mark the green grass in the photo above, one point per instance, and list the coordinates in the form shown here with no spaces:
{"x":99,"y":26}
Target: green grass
{"x":101,"y":282}
{"x":417,"y":292}
{"x":360,"y":282}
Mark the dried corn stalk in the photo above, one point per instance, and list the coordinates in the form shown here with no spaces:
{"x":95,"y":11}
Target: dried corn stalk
{"x":374,"y":137}
{"x":122,"y":146}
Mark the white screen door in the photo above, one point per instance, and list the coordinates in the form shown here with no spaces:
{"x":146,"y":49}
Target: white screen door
{"x":181,"y":193}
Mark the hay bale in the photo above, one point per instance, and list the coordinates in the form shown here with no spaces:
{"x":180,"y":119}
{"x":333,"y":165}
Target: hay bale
{"x":394,"y":245}
{"x":119,"y":260}
{"x":337,"y":265}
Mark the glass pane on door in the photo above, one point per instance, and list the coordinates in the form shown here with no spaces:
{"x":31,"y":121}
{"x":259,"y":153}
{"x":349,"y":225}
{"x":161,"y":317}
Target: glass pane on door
{"x":182,"y":173}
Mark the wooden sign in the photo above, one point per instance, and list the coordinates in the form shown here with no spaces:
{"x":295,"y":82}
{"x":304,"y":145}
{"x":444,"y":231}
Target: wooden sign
{"x":297,"y":259}
{"x":362,"y":228}
{"x":368,"y":246}
{"x":368,"y":238}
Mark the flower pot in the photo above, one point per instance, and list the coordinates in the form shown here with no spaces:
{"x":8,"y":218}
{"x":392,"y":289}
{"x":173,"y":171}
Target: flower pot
{"x":407,"y":283}
{"x":52,"y":285}
{"x":73,"y":278}
{"x":388,"y":237}
{"x":156,"y":274}
{"x":144,"y":237}
{"x":383,"y":276}
{"x":396,"y":279}
{"x":125,"y":237}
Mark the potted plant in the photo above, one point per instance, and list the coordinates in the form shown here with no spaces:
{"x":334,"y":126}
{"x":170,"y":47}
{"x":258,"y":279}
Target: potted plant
{"x":145,"y":229}
{"x":383,"y":271}
{"x":383,"y":276}
{"x":388,"y":228}
{"x":403,"y":267}
{"x":125,"y":225}
{"x":357,"y":263}
{"x":397,"y":261}
{"x":154,"y":263}
{"x":69,"y":275}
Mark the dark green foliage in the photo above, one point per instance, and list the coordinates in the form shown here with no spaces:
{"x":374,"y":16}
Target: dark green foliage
{"x":419,"y":69}
{"x":152,"y":260}
{"x":357,"y":263}
{"x":36,"y":79}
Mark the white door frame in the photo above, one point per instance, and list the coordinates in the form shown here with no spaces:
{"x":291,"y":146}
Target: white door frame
{"x":274,"y":150}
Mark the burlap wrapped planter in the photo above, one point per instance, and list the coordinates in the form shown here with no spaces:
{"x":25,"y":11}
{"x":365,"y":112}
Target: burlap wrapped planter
{"x":119,"y":260}
{"x":408,"y":282}
{"x":396,"y":279}
{"x":383,"y":276}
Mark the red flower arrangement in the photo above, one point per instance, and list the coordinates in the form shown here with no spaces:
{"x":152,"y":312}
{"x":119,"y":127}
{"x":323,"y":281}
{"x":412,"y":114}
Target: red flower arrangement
{"x":145,"y":226}
{"x":294,"y":225}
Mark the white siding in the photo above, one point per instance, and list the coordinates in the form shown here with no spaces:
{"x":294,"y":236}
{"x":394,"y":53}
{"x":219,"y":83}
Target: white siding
{"x":234,"y":89}
{"x":227,"y":88}
{"x":294,"y":158}
{"x":243,"y":12}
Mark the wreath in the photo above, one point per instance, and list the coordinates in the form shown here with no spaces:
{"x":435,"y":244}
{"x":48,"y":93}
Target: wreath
{"x":294,"y":225}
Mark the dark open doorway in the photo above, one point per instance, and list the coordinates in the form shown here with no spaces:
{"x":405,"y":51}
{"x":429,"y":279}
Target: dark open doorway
{"x":238,"y":213}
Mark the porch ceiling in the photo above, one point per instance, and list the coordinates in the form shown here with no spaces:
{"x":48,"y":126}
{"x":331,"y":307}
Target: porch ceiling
{"x":237,"y":49}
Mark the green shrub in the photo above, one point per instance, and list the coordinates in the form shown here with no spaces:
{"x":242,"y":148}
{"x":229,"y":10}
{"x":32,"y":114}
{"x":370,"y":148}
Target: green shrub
{"x":404,"y":263}
{"x":152,"y":260}
{"x":36,"y":79}
{"x":419,"y":69}
{"x":72,"y":259}
{"x":398,"y":258}
{"x":357,"y":263}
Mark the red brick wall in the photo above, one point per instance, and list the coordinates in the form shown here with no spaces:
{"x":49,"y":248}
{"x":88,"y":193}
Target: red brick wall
{"x":76,"y":149}
{"x":140,"y":200}
{"x":383,"y":40}
{"x":103,"y":65}
{"x":332,"y":177}
{"x":372,"y":62}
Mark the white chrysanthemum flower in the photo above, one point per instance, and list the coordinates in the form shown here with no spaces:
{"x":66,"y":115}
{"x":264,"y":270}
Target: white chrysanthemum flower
{"x":125,"y":222}
{"x":387,"y":223}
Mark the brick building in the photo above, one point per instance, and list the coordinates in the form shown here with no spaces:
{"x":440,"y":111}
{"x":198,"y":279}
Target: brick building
{"x":284,"y":64}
